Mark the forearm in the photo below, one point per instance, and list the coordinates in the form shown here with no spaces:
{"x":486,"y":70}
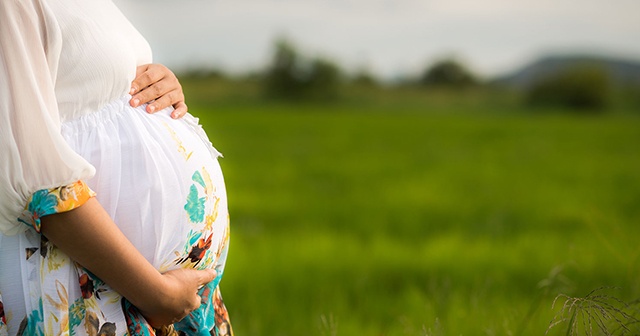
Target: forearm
{"x":90,"y":237}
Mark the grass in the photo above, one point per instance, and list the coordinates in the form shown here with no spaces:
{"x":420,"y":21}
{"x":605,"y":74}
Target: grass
{"x":405,"y":215}
{"x":597,"y":312}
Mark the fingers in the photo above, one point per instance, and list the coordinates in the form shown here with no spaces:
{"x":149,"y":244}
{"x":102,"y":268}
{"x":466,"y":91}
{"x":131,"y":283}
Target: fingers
{"x":157,"y":85}
{"x":142,"y":68}
{"x":163,"y":100}
{"x":180,"y":110}
{"x":196,"y":301}
{"x":202,"y":279}
{"x":181,"y":295}
{"x":146,"y":75}
{"x":170,"y":98}
{"x":159,"y":88}
{"x":206,"y":276}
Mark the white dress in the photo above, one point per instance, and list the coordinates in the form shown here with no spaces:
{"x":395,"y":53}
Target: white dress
{"x":66,"y":128}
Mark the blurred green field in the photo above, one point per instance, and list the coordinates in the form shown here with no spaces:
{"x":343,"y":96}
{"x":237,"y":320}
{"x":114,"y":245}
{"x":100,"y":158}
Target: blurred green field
{"x":420,"y":216}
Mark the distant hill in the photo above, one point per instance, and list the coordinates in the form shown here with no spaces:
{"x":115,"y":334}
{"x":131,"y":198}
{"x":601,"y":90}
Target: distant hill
{"x":620,"y":71}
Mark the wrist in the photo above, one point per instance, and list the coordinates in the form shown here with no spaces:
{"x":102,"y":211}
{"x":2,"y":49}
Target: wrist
{"x":146,"y":296}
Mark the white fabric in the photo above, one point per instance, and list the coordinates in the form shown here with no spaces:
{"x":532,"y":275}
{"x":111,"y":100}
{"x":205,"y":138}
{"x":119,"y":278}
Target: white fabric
{"x":45,"y":79}
{"x":65,"y":70}
{"x":146,"y":169}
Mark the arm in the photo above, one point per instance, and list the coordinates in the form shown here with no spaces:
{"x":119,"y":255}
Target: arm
{"x":88,"y":235}
{"x":157,"y":82}
{"x":35,"y":157}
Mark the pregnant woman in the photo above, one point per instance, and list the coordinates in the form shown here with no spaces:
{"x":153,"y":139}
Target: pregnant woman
{"x":113,"y":221}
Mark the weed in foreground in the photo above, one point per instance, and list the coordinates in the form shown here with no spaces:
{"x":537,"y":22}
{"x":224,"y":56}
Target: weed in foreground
{"x":437,"y":329}
{"x":596,"y":314}
{"x":328,"y":325}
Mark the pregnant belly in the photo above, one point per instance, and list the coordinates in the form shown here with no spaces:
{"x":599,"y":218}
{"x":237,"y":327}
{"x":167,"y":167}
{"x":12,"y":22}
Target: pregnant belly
{"x":160,"y":181}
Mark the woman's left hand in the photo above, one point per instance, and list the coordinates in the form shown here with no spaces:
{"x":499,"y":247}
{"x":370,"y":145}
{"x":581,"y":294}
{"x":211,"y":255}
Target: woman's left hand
{"x":157,"y":85}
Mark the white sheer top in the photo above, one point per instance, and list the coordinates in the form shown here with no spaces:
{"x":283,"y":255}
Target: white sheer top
{"x":47,"y":77}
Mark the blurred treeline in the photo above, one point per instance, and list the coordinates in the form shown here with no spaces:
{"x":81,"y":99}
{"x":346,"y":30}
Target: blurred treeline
{"x":575,"y":83}
{"x":443,"y":203}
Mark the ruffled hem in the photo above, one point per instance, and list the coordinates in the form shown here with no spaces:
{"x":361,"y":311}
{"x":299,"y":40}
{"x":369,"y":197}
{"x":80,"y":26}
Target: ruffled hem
{"x":194,"y":123}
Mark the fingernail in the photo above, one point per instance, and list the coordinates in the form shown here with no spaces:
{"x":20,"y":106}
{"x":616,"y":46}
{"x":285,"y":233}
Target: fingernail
{"x":136,"y":102}
{"x":151,"y":108}
{"x":174,"y":115}
{"x":133,"y":89}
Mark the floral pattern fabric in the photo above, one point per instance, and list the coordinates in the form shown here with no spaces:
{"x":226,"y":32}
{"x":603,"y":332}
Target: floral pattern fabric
{"x":186,"y":224}
{"x":55,"y":200}
{"x":3,"y":320}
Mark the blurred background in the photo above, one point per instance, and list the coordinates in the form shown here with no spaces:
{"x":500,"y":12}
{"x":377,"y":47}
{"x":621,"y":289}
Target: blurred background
{"x":417,"y":167}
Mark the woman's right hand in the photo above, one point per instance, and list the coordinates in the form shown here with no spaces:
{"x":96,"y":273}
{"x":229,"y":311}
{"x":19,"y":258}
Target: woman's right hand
{"x":178,"y":296}
{"x":90,"y":237}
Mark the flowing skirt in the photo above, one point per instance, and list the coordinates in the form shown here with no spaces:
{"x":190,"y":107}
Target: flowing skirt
{"x":160,"y":181}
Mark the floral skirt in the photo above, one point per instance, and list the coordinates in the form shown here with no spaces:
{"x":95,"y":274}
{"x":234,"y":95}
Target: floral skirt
{"x":160,"y":181}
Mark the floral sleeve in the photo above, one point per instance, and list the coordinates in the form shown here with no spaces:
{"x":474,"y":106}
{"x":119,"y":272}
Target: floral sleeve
{"x":55,"y":200}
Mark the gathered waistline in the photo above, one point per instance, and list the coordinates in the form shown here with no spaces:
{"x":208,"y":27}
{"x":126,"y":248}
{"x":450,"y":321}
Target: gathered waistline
{"x":109,"y":112}
{"x":117,"y":109}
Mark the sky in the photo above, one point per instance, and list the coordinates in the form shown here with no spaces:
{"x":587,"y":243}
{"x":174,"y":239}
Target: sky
{"x":390,"y":38}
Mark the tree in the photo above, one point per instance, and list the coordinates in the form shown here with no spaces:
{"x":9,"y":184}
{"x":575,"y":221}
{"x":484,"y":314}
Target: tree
{"x":448,"y":73}
{"x":323,"y":79}
{"x":291,"y":76}
{"x":583,"y":87}
{"x":363,"y":76}
{"x":282,"y":76}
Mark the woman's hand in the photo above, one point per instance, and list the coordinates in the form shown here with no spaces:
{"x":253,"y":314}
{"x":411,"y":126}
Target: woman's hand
{"x":90,"y":237}
{"x":178,"y":297}
{"x":157,"y":85}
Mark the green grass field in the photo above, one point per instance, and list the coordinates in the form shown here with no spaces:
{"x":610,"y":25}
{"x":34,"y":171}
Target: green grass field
{"x":421,"y":217}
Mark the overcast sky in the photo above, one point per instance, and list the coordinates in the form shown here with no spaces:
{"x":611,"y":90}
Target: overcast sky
{"x":390,"y":37}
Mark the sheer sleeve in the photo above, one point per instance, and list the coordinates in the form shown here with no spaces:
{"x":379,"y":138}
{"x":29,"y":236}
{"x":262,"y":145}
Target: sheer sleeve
{"x":34,"y":158}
